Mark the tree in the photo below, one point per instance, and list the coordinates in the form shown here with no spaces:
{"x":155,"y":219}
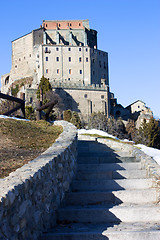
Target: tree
{"x":72,"y":117}
{"x":149,"y":133}
{"x":97,"y":121}
{"x":45,"y":86}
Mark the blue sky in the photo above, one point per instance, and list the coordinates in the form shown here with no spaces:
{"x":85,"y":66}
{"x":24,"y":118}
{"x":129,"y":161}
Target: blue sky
{"x":129,"y":30}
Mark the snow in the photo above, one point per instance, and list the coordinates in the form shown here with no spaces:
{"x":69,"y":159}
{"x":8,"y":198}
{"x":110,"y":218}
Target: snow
{"x":3,"y":116}
{"x":95,"y":131}
{"x":152,"y":152}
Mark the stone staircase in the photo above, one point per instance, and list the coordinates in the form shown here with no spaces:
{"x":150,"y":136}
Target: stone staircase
{"x":110,"y":198}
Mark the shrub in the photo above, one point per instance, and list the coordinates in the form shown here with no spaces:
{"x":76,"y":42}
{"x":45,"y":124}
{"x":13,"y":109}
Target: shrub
{"x":72,"y":117}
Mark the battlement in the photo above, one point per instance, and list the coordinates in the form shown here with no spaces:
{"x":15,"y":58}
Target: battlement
{"x":65,"y":24}
{"x":79,"y":86}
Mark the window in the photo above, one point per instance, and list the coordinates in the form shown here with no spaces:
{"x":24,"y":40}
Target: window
{"x":46,"y":50}
{"x":79,"y":24}
{"x":59,"y":24}
{"x":86,"y":49}
{"x":57,"y":59}
{"x":69,"y":59}
{"x":87,"y":59}
{"x":46,"y":25}
{"x":24,"y":57}
{"x":19,"y":59}
{"x":80,"y":71}
{"x":57,"y":71}
{"x":69,"y":49}
{"x":99,"y":53}
{"x":102,"y":96}
{"x":68,"y":78}
{"x":93,"y":61}
{"x":85,"y":95}
{"x":104,"y":75}
{"x":30,"y":55}
{"x":80,"y":49}
{"x":104,"y":65}
{"x":80,"y":59}
{"x":30,"y":100}
{"x":46,"y":70}
{"x":93,"y":72}
{"x":70,"y":24}
{"x":69,"y":71}
{"x":57,"y":49}
{"x":46,"y":59}
{"x":15,"y":66}
{"x":100,"y":64}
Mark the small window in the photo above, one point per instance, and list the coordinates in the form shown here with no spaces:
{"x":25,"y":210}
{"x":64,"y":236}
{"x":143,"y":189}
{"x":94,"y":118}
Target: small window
{"x":57,"y":49}
{"x":30,"y":100}
{"x":93,"y":61}
{"x":46,"y":49}
{"x":138,"y":106}
{"x":86,"y":49}
{"x":87,"y":59}
{"x":57,"y":71}
{"x":79,"y":24}
{"x":69,"y":59}
{"x":46,"y":59}
{"x":70,"y":24}
{"x":80,"y":49}
{"x":80,"y":59}
{"x":30,"y":55}
{"x":70,"y":71}
{"x":19,"y":59}
{"x":104,"y":75}
{"x":93,"y":72}
{"x":38,"y":66}
{"x":85,"y":95}
{"x":100,"y":64}
{"x":59,"y":25}
{"x":102,"y":96}
{"x":104,"y":65}
{"x":80,"y":71}
{"x":46,"y":25}
{"x":69,"y":49}
{"x":15,"y":66}
{"x":68,"y":78}
{"x":24,"y":57}
{"x":57,"y":59}
{"x":99,"y":53}
{"x":46,"y":70}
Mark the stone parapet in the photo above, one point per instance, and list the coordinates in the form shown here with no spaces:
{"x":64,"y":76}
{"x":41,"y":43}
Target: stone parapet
{"x":30,"y":196}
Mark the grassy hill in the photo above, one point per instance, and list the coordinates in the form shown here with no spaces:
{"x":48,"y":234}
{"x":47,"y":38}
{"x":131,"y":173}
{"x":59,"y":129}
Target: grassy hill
{"x":22,"y":141}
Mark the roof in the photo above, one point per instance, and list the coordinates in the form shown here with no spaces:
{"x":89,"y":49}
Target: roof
{"x":135,"y":102}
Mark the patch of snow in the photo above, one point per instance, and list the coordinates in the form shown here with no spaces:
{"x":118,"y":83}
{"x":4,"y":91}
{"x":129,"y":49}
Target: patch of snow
{"x":3,"y":116}
{"x":95,"y":131}
{"x":152,"y":152}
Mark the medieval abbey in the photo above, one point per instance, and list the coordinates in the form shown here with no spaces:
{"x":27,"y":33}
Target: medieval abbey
{"x":65,"y":52}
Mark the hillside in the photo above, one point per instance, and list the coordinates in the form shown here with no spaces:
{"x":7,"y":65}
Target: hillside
{"x":22,"y":141}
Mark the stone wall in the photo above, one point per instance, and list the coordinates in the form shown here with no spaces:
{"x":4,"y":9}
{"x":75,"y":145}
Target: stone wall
{"x":30,"y":195}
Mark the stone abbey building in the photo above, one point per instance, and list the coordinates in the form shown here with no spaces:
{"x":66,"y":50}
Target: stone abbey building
{"x":66,"y":53}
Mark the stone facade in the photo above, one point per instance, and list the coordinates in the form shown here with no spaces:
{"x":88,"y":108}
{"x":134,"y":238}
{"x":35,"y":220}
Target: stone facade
{"x":30,"y":195}
{"x":66,"y":53}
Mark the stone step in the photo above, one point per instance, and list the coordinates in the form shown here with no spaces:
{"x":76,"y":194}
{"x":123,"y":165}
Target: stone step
{"x":123,"y":231}
{"x":109,"y":166}
{"x":141,"y":196}
{"x":105,"y":185}
{"x":111,"y":214}
{"x":105,"y":159}
{"x":119,"y":174}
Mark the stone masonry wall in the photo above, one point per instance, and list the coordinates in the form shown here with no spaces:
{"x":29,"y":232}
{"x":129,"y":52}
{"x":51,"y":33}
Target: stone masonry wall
{"x":30,"y":195}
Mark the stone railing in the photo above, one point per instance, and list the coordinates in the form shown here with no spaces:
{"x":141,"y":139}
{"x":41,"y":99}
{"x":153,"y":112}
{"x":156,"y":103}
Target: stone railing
{"x":30,"y":195}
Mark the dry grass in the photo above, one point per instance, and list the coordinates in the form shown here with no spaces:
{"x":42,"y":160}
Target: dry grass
{"x":22,"y":141}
